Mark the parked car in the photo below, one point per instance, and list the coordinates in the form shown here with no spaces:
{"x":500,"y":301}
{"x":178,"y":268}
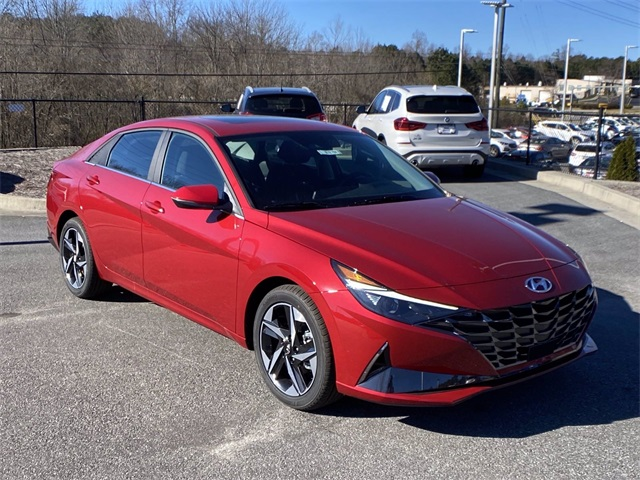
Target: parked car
{"x":292,"y":238}
{"x":611,"y":126}
{"x":278,"y":101}
{"x":585,"y":150}
{"x":587,"y":167}
{"x":429,"y":125}
{"x":501,"y":143}
{"x":542,"y":148}
{"x":564,"y":131}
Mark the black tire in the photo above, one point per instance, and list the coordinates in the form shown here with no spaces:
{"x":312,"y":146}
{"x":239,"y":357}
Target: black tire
{"x":299,"y":368}
{"x":474,"y":171}
{"x":76,"y":259}
{"x":494,"y":151}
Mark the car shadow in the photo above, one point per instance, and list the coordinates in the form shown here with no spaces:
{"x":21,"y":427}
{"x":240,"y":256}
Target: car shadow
{"x":117,"y":294}
{"x":456,"y":174}
{"x":8,"y":182}
{"x":596,"y":390}
{"x":549,"y":213}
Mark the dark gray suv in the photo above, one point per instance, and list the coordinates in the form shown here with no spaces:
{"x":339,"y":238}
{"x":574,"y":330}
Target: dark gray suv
{"x":278,"y":101}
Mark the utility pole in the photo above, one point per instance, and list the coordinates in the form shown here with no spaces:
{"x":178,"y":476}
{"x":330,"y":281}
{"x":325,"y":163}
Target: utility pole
{"x":499,"y":7}
{"x":502,"y":14}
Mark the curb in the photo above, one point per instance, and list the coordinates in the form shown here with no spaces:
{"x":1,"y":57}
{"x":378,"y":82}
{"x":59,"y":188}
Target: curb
{"x":18,"y":204}
{"x":592,"y":188}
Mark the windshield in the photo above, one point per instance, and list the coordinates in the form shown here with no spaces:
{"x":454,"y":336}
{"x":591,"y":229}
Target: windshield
{"x":300,"y":170}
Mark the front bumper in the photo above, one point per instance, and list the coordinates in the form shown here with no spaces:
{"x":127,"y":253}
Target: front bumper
{"x":399,"y":386}
{"x":446,"y":361}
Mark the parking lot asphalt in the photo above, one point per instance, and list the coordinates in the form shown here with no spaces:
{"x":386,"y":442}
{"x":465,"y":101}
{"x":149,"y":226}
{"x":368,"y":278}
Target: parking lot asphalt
{"x":595,"y":193}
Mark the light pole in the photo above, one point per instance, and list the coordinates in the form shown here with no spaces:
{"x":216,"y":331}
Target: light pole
{"x":462,"y":32}
{"x":497,"y":6}
{"x":566,"y":72}
{"x":624,"y":74}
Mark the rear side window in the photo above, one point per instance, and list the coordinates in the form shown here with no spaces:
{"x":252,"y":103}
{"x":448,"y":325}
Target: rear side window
{"x":133,"y":153}
{"x":449,"y":104}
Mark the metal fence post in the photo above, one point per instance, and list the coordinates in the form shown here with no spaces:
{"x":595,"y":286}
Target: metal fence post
{"x":143,"y":114}
{"x":601,"y":108}
{"x":35,"y":123}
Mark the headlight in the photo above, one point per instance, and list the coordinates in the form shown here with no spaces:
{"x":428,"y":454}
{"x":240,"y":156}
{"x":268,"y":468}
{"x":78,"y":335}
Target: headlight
{"x":388,"y":303}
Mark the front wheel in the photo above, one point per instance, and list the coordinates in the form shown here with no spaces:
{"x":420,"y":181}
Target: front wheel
{"x":293,"y":350}
{"x":78,"y":265}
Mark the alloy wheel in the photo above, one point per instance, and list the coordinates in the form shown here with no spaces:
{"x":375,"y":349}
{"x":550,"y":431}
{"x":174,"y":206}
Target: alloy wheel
{"x":74,"y":259}
{"x":288,"y":349}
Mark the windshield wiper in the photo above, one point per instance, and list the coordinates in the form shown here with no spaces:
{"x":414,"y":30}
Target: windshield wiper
{"x":293,"y":206}
{"x":388,"y":199}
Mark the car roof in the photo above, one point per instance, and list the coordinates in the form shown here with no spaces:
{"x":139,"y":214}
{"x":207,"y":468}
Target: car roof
{"x":430,"y":89}
{"x":276,"y":90}
{"x":228,"y":125}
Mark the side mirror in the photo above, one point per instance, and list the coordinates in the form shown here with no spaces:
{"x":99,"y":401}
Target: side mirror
{"x":361,"y":109}
{"x":227,"y":108}
{"x":201,"y":197}
{"x":432,"y":176}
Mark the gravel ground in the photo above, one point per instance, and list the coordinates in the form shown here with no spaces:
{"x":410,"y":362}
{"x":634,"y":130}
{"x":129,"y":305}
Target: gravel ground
{"x":26,"y":172}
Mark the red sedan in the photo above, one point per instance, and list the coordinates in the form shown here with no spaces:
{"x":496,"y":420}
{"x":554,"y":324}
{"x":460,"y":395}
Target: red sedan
{"x":345,"y":268}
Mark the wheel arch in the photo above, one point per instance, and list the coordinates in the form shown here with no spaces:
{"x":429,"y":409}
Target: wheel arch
{"x":62,"y":219}
{"x":258,"y":293}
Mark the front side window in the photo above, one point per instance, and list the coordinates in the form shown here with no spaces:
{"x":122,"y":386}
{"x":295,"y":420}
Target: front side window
{"x":381,"y":102}
{"x":133,"y":152}
{"x":189,"y":162}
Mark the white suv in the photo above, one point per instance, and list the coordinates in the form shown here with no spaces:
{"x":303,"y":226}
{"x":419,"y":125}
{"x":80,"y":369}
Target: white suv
{"x":564,"y":131}
{"x":431,"y":126}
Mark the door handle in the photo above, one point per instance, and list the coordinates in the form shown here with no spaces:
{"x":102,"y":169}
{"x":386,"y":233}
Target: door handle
{"x":155,"y":206}
{"x":93,"y":179}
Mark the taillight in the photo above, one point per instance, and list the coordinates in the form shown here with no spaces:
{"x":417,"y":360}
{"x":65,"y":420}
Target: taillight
{"x":480,"y":125}
{"x":405,"y":125}
{"x":318,"y":116}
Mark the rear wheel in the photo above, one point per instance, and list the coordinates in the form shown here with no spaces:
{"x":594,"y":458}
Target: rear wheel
{"x":293,"y":350}
{"x":494,"y":151}
{"x":76,"y":259}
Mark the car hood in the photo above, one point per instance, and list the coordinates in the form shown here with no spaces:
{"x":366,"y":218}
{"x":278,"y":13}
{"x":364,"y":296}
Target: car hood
{"x":425,"y":243}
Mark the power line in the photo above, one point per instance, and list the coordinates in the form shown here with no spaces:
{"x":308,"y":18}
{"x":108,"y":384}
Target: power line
{"x":623,"y":4}
{"x":599,"y":13}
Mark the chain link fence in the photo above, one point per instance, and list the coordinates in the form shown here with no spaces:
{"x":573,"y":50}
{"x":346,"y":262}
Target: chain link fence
{"x":33,"y":123}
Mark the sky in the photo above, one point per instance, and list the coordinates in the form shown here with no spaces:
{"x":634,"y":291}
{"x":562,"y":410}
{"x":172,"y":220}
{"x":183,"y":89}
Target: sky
{"x":534,"y":28}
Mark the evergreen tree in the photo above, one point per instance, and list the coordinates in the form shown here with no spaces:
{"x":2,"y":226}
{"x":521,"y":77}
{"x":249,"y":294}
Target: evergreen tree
{"x":623,"y":164}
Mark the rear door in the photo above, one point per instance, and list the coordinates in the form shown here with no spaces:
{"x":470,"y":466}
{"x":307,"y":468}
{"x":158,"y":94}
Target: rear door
{"x":111,"y":193}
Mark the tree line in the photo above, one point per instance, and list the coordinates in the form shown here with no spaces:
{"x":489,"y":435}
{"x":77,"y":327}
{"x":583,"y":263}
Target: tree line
{"x":168,"y":49}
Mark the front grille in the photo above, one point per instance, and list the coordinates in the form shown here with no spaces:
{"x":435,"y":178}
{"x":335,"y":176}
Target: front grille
{"x":518,"y":334}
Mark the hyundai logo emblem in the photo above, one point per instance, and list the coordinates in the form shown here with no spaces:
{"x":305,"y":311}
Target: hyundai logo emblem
{"x":538,"y":284}
{"x":447,"y":119}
